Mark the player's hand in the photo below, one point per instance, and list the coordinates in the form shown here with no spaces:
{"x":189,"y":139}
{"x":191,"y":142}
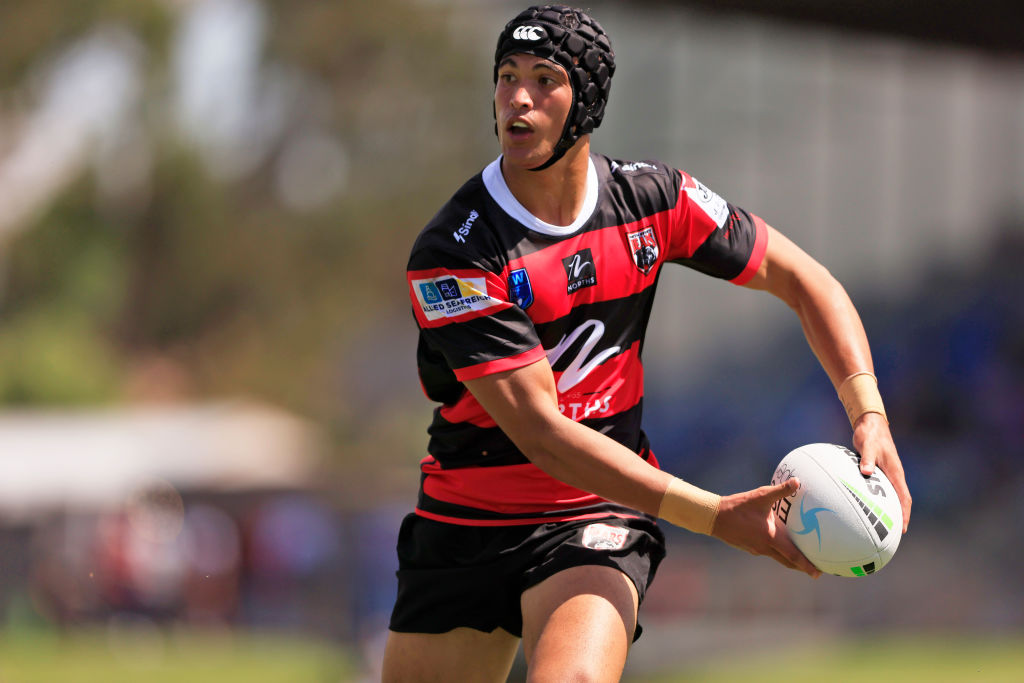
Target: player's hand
{"x":873,"y":440}
{"x":746,"y":521}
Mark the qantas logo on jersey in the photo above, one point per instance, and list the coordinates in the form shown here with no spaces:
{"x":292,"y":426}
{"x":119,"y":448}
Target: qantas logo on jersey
{"x":580,"y":270}
{"x":449,"y":296}
{"x":643,"y":245}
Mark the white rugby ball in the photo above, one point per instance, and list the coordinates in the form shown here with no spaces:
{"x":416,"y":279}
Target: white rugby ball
{"x":845,"y":523}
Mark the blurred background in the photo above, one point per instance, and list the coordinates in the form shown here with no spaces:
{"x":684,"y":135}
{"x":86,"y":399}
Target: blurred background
{"x":210,"y":420}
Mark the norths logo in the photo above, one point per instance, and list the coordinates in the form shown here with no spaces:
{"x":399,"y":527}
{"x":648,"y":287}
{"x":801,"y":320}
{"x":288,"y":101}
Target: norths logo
{"x":529,"y":33}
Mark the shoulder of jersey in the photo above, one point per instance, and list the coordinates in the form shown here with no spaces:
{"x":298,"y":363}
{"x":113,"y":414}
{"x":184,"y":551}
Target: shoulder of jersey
{"x":654,"y":185}
{"x":454,"y":227}
{"x":639,"y":173}
{"x":637,"y":169}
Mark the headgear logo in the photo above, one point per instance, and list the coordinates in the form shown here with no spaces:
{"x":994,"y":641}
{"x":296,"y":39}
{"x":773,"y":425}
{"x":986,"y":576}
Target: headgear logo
{"x":529,"y":33}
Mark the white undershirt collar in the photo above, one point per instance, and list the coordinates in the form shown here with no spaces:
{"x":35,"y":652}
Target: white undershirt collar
{"x":494,"y":181}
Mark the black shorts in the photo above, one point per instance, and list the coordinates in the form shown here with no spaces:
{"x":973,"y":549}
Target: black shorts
{"x":452,"y":575}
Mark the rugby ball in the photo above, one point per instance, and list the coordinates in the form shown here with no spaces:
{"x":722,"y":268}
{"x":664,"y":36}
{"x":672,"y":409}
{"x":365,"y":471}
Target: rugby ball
{"x":845,"y":523}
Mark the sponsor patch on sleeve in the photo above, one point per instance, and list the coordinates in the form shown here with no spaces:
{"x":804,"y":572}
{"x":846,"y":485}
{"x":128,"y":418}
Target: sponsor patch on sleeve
{"x":709,"y":202}
{"x":449,"y":296}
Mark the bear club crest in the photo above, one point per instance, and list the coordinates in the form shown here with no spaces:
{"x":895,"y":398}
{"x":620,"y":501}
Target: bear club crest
{"x":643,"y":246}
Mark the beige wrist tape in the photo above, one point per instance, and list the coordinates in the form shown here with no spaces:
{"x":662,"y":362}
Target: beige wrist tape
{"x":859,"y":395}
{"x":687,"y":506}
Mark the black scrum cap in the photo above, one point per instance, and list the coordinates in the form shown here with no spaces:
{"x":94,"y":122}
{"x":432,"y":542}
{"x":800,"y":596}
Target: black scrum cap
{"x":571,"y":38}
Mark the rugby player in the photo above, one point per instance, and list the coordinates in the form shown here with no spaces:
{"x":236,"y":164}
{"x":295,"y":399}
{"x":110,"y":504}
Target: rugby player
{"x":532,"y":287}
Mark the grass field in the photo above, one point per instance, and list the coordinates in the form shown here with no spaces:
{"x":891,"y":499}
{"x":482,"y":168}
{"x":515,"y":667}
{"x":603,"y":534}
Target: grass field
{"x":130,"y":656}
{"x":123,"y":657}
{"x":903,"y":659}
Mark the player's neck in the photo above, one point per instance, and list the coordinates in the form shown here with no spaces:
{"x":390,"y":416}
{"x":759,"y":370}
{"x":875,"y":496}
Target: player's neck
{"x":556,"y":194}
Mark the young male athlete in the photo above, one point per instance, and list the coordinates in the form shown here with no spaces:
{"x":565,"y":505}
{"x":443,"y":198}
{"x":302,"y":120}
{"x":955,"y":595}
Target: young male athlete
{"x":532,"y":289}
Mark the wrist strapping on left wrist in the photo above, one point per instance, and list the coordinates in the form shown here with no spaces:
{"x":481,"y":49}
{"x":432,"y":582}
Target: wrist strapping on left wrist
{"x":859,"y":395}
{"x":690,"y":507}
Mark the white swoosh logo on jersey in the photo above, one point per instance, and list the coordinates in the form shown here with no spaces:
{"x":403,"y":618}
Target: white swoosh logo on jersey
{"x":577,"y":371}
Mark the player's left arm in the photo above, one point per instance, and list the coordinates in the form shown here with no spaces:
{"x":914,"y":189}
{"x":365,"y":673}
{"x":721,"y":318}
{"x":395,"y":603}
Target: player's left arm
{"x":836,"y":335}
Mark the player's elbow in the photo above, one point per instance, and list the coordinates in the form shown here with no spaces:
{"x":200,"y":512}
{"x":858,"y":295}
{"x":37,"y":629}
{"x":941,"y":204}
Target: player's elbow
{"x":542,"y":438}
{"x":812,"y":285}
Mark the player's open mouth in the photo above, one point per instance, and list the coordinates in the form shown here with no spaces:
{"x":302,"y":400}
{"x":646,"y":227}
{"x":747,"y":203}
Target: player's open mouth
{"x":518,"y":129}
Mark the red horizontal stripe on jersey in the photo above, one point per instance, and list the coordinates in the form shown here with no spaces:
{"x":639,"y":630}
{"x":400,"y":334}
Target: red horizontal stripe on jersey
{"x":465,"y":521}
{"x":757,"y":255}
{"x":617,"y":274}
{"x":500,"y":365}
{"x":613,"y":387}
{"x":512,"y":489}
{"x":468,"y":409}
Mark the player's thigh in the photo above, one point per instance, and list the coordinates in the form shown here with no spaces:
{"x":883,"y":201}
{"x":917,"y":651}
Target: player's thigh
{"x":462,"y":654}
{"x":578,"y":624}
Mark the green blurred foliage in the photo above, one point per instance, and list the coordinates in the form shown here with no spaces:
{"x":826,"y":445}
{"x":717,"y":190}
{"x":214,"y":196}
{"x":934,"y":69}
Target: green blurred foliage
{"x":30,"y":29}
{"x":64,"y":288}
{"x":220,"y":280}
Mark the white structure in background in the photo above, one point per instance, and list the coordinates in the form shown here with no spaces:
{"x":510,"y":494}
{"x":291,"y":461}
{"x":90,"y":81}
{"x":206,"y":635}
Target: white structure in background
{"x":220,"y":98}
{"x":85,"y":101}
{"x":879,"y":156}
{"x":105,"y":459}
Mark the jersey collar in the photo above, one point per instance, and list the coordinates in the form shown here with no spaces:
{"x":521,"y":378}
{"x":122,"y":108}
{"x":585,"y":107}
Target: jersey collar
{"x":494,"y":181}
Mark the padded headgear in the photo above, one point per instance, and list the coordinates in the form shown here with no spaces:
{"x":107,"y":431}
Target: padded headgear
{"x":575,"y":41}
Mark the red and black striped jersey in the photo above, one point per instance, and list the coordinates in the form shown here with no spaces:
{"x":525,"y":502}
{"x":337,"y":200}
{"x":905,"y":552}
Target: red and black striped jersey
{"x":494,"y":288}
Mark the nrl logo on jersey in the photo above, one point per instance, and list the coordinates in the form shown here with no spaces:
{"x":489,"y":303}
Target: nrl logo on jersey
{"x":643,"y":246}
{"x":519,"y":289}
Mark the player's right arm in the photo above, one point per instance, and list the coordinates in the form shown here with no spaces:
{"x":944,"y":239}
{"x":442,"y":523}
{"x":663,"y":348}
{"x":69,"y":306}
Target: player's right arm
{"x":524,"y":403}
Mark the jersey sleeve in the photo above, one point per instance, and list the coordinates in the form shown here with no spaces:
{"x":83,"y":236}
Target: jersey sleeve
{"x":468,"y":326}
{"x":713,"y":236}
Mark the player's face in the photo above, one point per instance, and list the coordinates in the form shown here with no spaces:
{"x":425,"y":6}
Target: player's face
{"x":531,"y":101}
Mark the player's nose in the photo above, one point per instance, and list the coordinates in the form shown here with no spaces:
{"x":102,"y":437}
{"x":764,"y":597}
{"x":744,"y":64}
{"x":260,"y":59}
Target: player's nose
{"x":520,"y":98}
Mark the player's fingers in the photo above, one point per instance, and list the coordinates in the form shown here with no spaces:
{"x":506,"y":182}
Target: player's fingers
{"x":779,"y":491}
{"x":893,"y":469}
{"x":783,"y":546}
{"x":799,"y":562}
{"x":903,"y":493}
{"x":867,"y":462}
{"x":780,"y":558}
{"x":906,"y":502}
